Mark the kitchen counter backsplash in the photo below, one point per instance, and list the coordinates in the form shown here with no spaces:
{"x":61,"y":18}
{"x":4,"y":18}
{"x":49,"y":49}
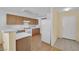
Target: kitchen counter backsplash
{"x":9,"y":28}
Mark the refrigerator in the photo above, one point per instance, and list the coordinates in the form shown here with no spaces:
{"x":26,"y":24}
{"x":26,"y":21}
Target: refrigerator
{"x":45,"y":31}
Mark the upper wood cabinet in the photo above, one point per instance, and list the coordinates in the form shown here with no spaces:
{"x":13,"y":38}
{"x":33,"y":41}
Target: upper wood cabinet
{"x":33,"y":21}
{"x":13,"y":19}
{"x":19,"y":20}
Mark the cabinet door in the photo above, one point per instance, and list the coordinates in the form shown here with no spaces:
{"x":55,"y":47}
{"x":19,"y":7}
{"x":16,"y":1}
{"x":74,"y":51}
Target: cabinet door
{"x":23,"y":44}
{"x":19,"y":20}
{"x":11,"y":19}
{"x":36,"y":21}
{"x":33,"y":21}
{"x":35,"y":31}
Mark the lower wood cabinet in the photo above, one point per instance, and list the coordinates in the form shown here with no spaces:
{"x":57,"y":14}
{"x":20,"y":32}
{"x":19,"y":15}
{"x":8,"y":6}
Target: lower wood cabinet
{"x":23,"y":44}
{"x":35,"y":31}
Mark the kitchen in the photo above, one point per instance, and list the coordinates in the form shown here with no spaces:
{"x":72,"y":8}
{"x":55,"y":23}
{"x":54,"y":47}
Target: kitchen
{"x":20,"y":27}
{"x":23,"y":31}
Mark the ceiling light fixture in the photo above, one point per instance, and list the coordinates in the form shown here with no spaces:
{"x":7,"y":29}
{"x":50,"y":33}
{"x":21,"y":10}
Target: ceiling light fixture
{"x":67,"y":9}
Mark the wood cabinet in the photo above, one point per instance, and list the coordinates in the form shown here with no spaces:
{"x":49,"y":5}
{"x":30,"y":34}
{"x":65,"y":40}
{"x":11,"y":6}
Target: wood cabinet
{"x":23,"y":44}
{"x":14,"y":19}
{"x":35,"y":31}
{"x":34,"y":22}
{"x":19,"y":20}
{"x":11,"y":19}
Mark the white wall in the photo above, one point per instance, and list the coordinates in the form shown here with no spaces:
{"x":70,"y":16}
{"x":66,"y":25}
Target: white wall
{"x":53,"y":40}
{"x":2,"y":18}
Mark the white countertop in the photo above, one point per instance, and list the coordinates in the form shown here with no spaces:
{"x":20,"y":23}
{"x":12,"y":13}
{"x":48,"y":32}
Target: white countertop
{"x":22,"y":35}
{"x":35,"y":26}
{"x":15,"y":28}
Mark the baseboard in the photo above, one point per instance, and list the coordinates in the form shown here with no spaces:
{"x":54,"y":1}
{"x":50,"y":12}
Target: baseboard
{"x":66,"y":38}
{"x":46,"y":43}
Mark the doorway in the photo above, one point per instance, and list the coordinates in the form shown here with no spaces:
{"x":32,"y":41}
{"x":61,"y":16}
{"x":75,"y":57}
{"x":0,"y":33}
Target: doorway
{"x":69,"y":27}
{"x":67,"y":41}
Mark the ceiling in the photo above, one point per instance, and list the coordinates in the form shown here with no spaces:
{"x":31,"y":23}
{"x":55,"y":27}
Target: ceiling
{"x":33,"y":11}
{"x":61,"y":9}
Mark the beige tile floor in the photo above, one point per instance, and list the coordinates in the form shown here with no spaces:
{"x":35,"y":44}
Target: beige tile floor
{"x":67,"y":45}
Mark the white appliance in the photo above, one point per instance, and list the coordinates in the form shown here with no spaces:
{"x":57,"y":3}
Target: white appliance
{"x":69,"y":27}
{"x":45,"y":31}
